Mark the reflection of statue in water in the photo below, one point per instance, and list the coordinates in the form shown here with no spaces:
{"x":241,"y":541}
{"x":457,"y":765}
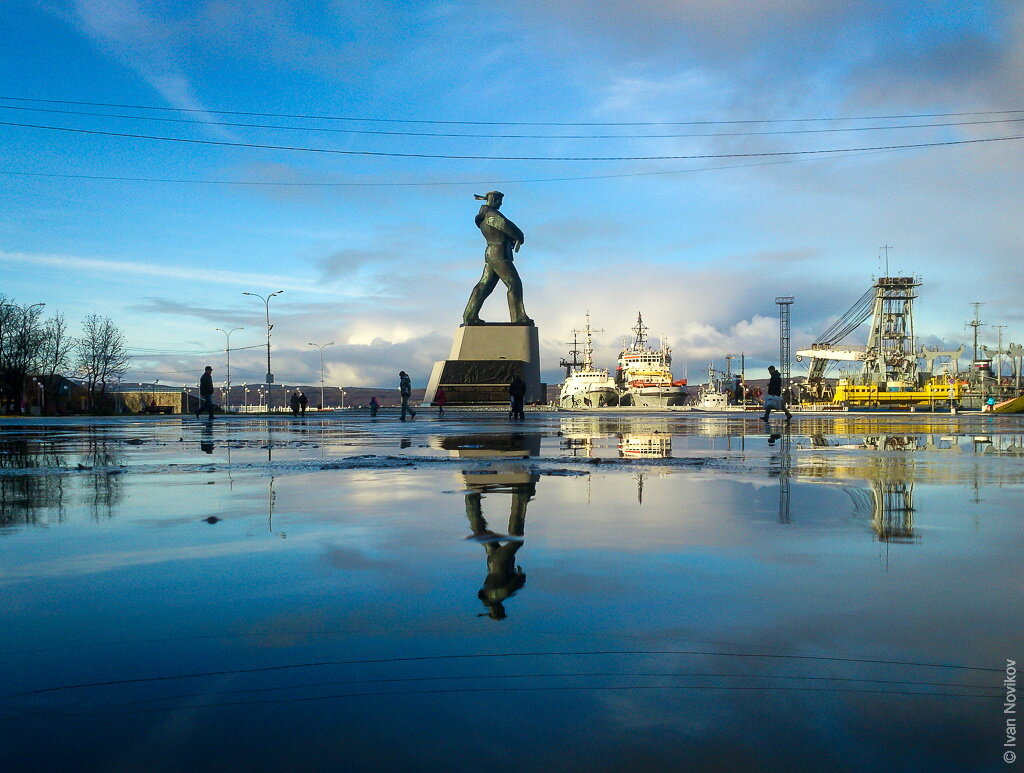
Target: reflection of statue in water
{"x":503,"y":238}
{"x":504,"y":578}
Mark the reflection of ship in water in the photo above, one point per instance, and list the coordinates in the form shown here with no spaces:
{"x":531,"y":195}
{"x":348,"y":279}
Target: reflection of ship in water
{"x":645,"y":446}
{"x":504,"y":577}
{"x":633,"y":438}
{"x":515,"y":445}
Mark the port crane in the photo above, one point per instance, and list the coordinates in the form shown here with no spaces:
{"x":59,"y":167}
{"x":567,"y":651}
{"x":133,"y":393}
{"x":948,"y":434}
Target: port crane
{"x":889,"y":357}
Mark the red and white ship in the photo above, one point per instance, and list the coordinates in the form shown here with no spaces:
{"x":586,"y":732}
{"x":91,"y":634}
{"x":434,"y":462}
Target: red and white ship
{"x":644,"y":375}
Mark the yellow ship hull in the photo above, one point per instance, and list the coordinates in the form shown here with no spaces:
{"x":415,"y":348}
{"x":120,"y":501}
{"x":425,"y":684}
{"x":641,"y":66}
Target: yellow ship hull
{"x":871,"y":395}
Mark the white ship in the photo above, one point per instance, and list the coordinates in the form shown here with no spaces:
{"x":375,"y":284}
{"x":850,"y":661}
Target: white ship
{"x":722,"y":392}
{"x":644,"y":375}
{"x":586,"y":386}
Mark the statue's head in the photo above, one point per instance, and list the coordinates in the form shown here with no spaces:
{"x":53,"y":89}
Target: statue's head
{"x":493,"y":198}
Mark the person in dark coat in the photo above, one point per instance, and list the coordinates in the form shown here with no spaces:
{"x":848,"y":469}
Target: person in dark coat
{"x":206,"y":393}
{"x":405,"y":389}
{"x":440,"y":400}
{"x":303,"y":402}
{"x":374,"y":406}
{"x":773,"y":400}
{"x":294,"y":403}
{"x":517,"y":394}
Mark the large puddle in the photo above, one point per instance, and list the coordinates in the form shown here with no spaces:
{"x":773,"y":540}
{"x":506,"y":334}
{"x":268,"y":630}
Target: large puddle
{"x":574,"y":592}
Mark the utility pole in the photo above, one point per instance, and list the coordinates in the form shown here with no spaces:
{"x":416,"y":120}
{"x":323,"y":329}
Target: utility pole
{"x":321,"y":348}
{"x":270,"y":374}
{"x":976,"y":323}
{"x":227,"y":351}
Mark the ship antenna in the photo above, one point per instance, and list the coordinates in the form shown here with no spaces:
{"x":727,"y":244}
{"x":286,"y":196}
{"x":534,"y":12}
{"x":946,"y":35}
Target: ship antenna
{"x":588,"y":347}
{"x":574,"y":353}
{"x":640,"y":329}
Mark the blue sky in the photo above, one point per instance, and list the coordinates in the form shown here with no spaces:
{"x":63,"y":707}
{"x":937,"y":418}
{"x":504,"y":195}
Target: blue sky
{"x":383,"y":264}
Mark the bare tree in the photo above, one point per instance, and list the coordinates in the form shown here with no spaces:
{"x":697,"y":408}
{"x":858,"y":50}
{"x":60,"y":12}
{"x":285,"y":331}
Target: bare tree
{"x":21,"y":334}
{"x":55,"y":351}
{"x":8,"y":313}
{"x":101,"y":356}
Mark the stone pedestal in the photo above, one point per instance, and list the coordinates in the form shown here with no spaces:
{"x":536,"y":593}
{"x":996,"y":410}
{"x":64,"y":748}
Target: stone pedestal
{"x":483,"y":360}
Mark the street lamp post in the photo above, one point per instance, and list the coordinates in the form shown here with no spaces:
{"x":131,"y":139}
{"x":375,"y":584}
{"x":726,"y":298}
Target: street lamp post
{"x":42,"y":399}
{"x":343,"y":398}
{"x":266,"y":303}
{"x":227,"y":351}
{"x":321,"y":348}
{"x":245,"y":397}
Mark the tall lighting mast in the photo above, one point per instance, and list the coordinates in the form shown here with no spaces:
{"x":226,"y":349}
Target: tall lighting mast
{"x":785,"y":352}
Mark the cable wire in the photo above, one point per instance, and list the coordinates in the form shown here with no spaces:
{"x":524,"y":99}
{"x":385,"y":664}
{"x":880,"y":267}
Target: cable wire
{"x":475,"y":656}
{"x":474,"y":157}
{"x":506,"y":123}
{"x":508,"y":136}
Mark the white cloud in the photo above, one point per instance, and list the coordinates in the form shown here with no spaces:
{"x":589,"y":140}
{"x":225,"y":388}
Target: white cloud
{"x":139,"y":41}
{"x":114,"y":268}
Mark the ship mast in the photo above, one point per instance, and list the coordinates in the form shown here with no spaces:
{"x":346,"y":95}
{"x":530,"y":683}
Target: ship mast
{"x":640,"y":330}
{"x":574,"y":353}
{"x":588,"y":347}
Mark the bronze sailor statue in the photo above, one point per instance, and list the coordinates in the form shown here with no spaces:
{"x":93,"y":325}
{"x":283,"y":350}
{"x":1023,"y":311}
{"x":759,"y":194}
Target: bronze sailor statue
{"x":503,"y":239}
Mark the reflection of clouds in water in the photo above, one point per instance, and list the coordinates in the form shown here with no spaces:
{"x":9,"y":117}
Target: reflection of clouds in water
{"x":116,"y":561}
{"x":351,"y":559}
{"x":377,"y":488}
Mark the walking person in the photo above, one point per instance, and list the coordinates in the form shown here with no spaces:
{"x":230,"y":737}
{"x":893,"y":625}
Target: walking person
{"x":303,"y":402}
{"x":206,"y":393}
{"x":440,"y":400}
{"x":773,"y":400}
{"x":405,"y":389}
{"x":517,"y":394}
{"x":374,"y":407}
{"x":294,"y":403}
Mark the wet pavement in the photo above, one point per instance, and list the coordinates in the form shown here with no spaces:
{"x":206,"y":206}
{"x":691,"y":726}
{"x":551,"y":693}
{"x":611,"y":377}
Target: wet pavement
{"x":672,"y":591}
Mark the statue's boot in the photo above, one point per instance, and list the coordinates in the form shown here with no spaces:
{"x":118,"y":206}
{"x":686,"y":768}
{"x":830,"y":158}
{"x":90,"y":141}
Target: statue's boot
{"x":516,"y":311}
